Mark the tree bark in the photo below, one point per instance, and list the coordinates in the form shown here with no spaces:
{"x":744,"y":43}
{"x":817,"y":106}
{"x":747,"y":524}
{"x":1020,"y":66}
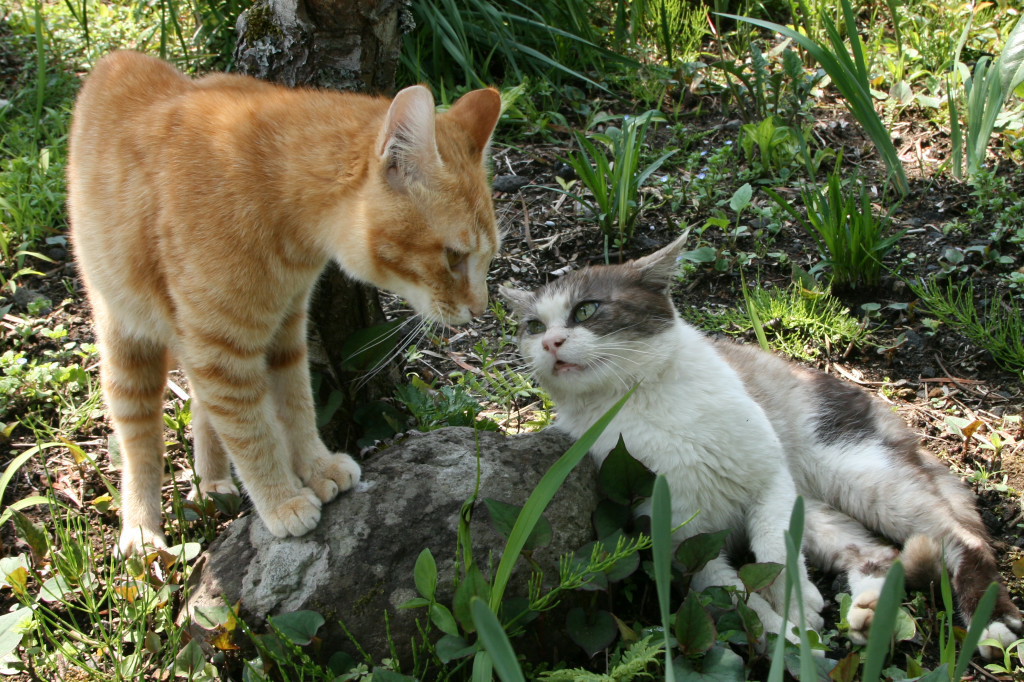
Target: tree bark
{"x":341,"y":45}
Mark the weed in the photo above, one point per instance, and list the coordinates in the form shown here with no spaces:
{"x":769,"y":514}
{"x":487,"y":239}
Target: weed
{"x":850,"y":76}
{"x":614,"y":181}
{"x":850,"y":238}
{"x":998,"y":327}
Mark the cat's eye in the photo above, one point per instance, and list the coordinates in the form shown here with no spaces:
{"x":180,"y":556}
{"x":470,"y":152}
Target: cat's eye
{"x":584,"y":311}
{"x":535,"y":327}
{"x":455,"y":258}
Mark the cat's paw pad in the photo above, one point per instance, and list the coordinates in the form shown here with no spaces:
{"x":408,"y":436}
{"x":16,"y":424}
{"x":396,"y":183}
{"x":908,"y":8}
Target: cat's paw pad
{"x":862,"y":612}
{"x":1002,"y":633}
{"x":139,"y":541}
{"x":333,"y":473}
{"x":294,"y":516}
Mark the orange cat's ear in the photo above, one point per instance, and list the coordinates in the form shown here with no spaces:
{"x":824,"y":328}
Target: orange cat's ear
{"x":478,"y":112}
{"x":407,"y":144}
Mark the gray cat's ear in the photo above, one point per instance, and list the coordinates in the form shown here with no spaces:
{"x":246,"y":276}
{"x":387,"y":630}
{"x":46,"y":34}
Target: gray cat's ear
{"x":661,"y":267}
{"x":407,"y":143}
{"x":518,"y":299}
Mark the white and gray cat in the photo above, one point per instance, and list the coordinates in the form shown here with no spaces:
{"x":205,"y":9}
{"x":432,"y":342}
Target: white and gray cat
{"x":739,"y":433}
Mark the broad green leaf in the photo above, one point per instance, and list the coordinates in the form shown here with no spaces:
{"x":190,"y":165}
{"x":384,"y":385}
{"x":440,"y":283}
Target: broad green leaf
{"x":622,"y":478}
{"x":694,"y":629}
{"x":719,"y":665}
{"x":299,"y":627}
{"x":760,"y":575}
{"x":696,"y":551}
{"x":12,"y":628}
{"x":473,"y":584}
{"x":189,"y":660}
{"x":425,"y":574}
{"x":752,"y":624}
{"x":1011,"y":60}
{"x":610,"y":517}
{"x":450,"y":647}
{"x":504,"y":516}
{"x":593,"y":632}
{"x":740,"y":199}
{"x":846,"y":669}
{"x":443,"y":619}
{"x":33,"y":534}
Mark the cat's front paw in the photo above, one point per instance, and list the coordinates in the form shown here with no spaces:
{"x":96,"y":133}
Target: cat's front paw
{"x":860,"y":616}
{"x":1004,"y":633}
{"x":331,"y":474}
{"x":296,"y":515}
{"x":139,"y":541}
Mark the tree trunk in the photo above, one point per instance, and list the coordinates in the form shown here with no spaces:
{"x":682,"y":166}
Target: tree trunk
{"x":341,"y":45}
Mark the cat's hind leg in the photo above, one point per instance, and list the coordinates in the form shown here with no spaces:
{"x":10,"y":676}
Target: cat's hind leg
{"x":228,"y":374}
{"x":212,"y":464}
{"x":838,"y":543}
{"x":133,"y":374}
{"x":325,"y":472}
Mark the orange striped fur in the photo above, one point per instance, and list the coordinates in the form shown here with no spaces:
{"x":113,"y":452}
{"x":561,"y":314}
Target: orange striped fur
{"x":202,"y":212}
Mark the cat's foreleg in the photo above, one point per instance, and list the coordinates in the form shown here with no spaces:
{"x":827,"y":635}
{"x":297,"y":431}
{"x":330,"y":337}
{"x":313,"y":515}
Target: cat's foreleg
{"x":767,"y":524}
{"x":325,"y":472}
{"x":133,"y":374}
{"x":212,"y":465}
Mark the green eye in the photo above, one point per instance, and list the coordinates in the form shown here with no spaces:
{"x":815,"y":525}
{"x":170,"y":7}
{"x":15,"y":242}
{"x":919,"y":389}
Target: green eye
{"x":584,"y":311}
{"x":535,"y":327}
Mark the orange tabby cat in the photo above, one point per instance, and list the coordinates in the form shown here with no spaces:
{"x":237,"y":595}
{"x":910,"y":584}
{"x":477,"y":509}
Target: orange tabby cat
{"x":202,"y":212}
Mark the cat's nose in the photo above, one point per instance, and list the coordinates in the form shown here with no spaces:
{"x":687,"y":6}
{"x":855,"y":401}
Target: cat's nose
{"x":552,"y":342}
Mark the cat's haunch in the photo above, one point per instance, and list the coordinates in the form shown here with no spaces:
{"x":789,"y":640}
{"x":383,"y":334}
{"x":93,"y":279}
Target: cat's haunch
{"x":740,"y":433}
{"x":203,"y":211}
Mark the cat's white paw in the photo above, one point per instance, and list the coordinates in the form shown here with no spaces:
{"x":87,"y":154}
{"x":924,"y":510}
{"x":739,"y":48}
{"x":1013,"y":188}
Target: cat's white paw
{"x":296,"y":515}
{"x":1000,"y":632}
{"x":223,"y":486}
{"x":139,"y":541}
{"x":331,"y":474}
{"x":862,"y":613}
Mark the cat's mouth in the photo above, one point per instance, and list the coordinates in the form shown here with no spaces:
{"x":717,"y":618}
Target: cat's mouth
{"x":561,"y":367}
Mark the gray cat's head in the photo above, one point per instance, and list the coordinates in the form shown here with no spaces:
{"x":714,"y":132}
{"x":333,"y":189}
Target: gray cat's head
{"x":597,"y":326}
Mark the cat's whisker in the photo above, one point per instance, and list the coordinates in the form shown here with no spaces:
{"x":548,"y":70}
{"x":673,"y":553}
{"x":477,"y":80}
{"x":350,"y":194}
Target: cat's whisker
{"x":407,"y":339}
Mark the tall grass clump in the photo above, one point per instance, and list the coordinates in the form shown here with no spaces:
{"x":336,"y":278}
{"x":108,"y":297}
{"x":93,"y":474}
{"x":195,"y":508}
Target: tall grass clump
{"x":478,"y":43}
{"x":987,"y":89}
{"x":609,"y":165}
{"x":849,"y":73}
{"x":851,"y":239}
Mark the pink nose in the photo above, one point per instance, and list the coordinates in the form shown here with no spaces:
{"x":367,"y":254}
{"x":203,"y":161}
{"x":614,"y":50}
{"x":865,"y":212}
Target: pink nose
{"x":552,"y":342}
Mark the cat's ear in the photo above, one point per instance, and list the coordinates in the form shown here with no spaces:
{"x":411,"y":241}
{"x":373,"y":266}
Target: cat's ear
{"x":477,"y":112}
{"x":517,"y":298}
{"x":407,"y":144}
{"x":661,"y":267}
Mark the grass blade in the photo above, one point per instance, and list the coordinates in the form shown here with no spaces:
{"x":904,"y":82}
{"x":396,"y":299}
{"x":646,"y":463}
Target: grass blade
{"x":541,"y":496}
{"x":884,"y":623}
{"x":495,"y":641}
{"x":661,"y":538}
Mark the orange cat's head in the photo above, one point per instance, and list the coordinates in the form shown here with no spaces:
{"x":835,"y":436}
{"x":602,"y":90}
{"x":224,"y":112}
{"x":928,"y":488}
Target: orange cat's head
{"x":430,"y":222}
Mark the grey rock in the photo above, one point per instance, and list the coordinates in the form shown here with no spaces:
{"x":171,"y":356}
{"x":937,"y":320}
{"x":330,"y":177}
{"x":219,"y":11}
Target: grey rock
{"x":358,"y":563}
